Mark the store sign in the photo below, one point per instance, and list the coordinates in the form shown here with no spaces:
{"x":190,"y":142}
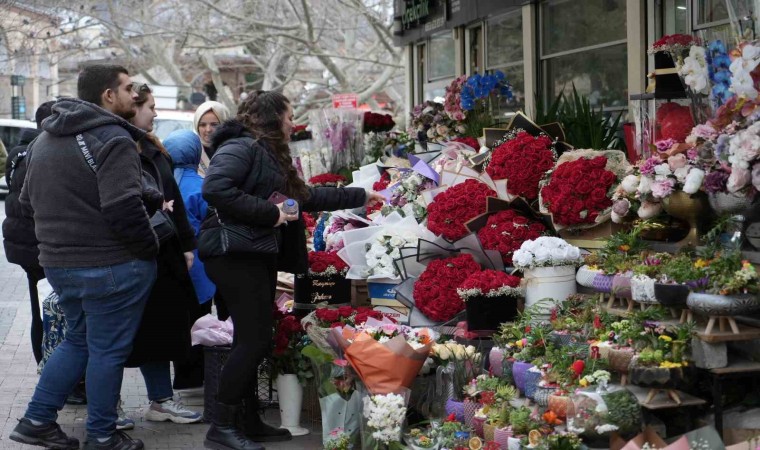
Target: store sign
{"x":430,"y":14}
{"x":416,"y":10}
{"x":345,"y":101}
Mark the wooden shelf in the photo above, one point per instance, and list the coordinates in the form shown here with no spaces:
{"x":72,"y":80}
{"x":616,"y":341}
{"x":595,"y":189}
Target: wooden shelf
{"x":745,"y":333}
{"x":662,"y":401}
{"x":737,"y":365}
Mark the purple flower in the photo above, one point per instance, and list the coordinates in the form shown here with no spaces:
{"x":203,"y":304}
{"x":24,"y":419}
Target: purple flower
{"x":647,"y":167}
{"x":665,"y":144}
{"x":652,"y":261}
{"x":699,"y":285}
{"x":715,"y":181}
{"x":692,"y":154}
{"x":663,"y":188}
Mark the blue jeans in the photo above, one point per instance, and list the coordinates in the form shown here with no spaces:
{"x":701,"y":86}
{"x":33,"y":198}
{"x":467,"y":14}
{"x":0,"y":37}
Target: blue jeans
{"x":158,"y":380}
{"x":103,"y":307}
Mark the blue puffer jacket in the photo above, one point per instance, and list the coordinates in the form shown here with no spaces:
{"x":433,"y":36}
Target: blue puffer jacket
{"x":185,"y":148}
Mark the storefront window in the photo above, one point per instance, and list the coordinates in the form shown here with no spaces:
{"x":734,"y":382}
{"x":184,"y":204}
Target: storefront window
{"x":504,"y":52}
{"x":589,"y":51}
{"x":441,"y":57}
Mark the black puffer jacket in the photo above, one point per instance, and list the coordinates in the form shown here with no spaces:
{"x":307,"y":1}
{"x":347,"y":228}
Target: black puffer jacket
{"x":242,"y":176}
{"x":18,"y":230}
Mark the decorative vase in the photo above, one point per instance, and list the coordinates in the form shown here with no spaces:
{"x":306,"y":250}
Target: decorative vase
{"x":620,"y":359}
{"x":488,"y":432}
{"x":455,"y":407}
{"x":690,"y":208}
{"x":519,"y":370}
{"x":496,"y":361}
{"x":621,"y":285}
{"x":290,"y":397}
{"x":722,"y":305}
{"x":671,"y":295}
{"x":501,"y":436}
{"x":532,"y":378}
{"x":642,"y":289}
{"x":556,"y":283}
{"x":542,"y":395}
{"x":585,"y":276}
{"x":602,"y":283}
{"x":561,"y":405}
{"x":724,"y":203}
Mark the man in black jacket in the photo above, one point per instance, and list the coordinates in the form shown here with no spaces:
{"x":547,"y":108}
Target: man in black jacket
{"x":83,"y":188}
{"x":18,"y":230}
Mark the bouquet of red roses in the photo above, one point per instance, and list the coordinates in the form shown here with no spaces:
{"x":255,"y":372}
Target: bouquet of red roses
{"x":435,"y":291}
{"x":325,"y":264}
{"x":577,"y":193}
{"x":489,"y":283}
{"x":505,"y":232}
{"x":522,"y":161}
{"x":327,"y":180}
{"x":450,"y":209}
{"x":469,"y":141}
{"x":379,"y":185}
{"x":289,"y":340}
{"x":377,"y":123}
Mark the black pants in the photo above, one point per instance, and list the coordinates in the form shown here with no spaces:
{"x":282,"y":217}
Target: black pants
{"x":33,"y":276}
{"x":247,"y":282}
{"x":221,"y":309}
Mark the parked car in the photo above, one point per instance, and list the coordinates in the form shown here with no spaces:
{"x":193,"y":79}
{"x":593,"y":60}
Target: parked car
{"x":168,"y":120}
{"x":10,"y":132}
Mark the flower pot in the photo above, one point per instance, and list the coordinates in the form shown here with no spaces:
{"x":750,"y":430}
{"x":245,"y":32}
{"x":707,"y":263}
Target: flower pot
{"x":656,"y":377}
{"x":556,"y":283}
{"x":513,"y":443}
{"x":621,"y":285}
{"x":487,"y":313}
{"x":722,"y":305}
{"x":470,"y":408}
{"x":455,"y":407}
{"x":488,"y":432}
{"x":496,"y":361}
{"x":561,"y":405}
{"x":690,"y":208}
{"x":671,"y":295}
{"x":501,"y":436}
{"x":620,"y":359}
{"x":532,"y":378}
{"x":477,"y":425}
{"x":290,"y":397}
{"x":585,"y":276}
{"x":602,"y":283}
{"x":542,"y":395}
{"x":519,"y":370}
{"x":723,"y":203}
{"x":642,"y":289}
{"x":565,"y":339}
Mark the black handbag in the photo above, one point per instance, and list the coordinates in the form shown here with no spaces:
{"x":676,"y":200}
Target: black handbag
{"x":239,"y":238}
{"x":161,"y":221}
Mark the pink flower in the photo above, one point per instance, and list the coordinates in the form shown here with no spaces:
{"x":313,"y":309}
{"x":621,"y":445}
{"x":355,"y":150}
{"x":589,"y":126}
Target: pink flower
{"x":677,"y":161}
{"x":621,"y":207}
{"x":738,"y":179}
{"x":647,"y":167}
{"x":663,"y":188}
{"x":389,"y":328}
{"x":647,"y":210}
{"x":665,"y":144}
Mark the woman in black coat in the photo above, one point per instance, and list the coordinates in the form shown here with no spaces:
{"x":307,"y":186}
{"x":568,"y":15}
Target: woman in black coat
{"x":250,"y":164}
{"x":172,"y":307}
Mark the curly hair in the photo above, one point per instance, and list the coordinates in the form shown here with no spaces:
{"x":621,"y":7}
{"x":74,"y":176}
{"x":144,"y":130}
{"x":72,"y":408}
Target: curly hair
{"x":261,"y":112}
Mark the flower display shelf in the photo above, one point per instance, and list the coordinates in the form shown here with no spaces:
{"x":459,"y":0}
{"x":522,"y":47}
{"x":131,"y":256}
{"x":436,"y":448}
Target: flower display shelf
{"x":722,"y":309}
{"x":659,"y":402}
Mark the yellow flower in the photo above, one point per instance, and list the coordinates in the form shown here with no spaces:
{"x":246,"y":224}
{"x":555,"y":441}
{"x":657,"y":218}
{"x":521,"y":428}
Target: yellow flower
{"x":583,"y":382}
{"x":666,"y":338}
{"x":519,"y":343}
{"x":624,"y":247}
{"x":700,"y":263}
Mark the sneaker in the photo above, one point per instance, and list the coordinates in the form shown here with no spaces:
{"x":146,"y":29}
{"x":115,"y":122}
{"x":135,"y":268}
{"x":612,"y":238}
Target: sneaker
{"x":118,"y":441}
{"x":123,"y":422}
{"x":171,"y":410}
{"x":48,"y":435}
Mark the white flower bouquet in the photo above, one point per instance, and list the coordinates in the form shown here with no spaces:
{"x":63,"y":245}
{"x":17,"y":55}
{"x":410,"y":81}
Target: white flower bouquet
{"x":546,"y":251}
{"x":383,"y":249}
{"x":384,"y":416}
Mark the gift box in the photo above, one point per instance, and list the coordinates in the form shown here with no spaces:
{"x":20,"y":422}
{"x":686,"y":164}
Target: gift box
{"x":487,"y":313}
{"x":398,"y":313}
{"x":311,"y":290}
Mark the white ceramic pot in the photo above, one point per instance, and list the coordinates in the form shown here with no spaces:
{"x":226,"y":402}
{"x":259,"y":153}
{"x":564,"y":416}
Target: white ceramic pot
{"x":556,"y":283}
{"x":290,"y":397}
{"x":642,"y":289}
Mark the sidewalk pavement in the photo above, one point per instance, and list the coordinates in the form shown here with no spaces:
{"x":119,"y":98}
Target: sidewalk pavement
{"x":18,"y":378}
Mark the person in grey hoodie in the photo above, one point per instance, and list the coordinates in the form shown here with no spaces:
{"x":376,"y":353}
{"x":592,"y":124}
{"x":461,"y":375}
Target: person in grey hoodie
{"x":83,"y":188}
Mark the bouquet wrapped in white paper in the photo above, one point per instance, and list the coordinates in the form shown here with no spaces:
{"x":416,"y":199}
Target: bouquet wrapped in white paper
{"x":546,"y":251}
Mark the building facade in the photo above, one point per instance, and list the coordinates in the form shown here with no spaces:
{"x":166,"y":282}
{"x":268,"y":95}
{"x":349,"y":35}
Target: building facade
{"x":548,"y":46}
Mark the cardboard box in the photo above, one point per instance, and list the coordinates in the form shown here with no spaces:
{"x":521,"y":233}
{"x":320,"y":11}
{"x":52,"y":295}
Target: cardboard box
{"x":381,"y":291}
{"x":398,"y":313}
{"x":387,"y":302}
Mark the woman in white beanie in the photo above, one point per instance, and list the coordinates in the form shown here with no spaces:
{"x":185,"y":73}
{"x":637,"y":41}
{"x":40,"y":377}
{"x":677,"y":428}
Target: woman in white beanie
{"x":208,"y":116}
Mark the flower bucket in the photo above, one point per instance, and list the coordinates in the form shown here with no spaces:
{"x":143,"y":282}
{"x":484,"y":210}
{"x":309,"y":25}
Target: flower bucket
{"x":556,"y":283}
{"x":585,"y":276}
{"x":501,"y":436}
{"x":602,"y":283}
{"x":723,"y":305}
{"x":477,"y":425}
{"x":470,"y":408}
{"x":519,"y":370}
{"x":532,"y":378}
{"x":455,"y":407}
{"x":290,"y":397}
{"x":565,"y":339}
{"x":621,"y":285}
{"x":487,"y":313}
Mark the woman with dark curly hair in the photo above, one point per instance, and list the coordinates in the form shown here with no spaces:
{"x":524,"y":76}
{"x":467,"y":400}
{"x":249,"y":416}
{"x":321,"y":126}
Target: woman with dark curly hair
{"x":250,"y":172}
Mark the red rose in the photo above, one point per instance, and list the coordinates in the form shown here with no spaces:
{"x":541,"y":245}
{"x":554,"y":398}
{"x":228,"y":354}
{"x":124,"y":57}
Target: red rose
{"x":345,"y":311}
{"x":447,"y":274}
{"x":447,"y":214}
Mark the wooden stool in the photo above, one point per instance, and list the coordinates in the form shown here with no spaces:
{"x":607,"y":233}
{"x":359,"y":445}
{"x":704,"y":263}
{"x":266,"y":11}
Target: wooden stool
{"x":671,"y":393}
{"x":611,"y":302}
{"x":722,"y":321}
{"x":686,"y":316}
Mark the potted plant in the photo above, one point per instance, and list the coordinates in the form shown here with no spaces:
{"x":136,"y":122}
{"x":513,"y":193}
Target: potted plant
{"x":660,"y":364}
{"x":670,"y":289}
{"x":644,"y":275}
{"x":600,"y":411}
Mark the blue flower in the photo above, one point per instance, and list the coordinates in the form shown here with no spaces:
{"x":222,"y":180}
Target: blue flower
{"x":319,"y":234}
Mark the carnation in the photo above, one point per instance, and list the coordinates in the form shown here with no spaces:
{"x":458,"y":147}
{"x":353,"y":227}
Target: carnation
{"x":546,"y":251}
{"x":490,"y":283}
{"x":454,"y":207}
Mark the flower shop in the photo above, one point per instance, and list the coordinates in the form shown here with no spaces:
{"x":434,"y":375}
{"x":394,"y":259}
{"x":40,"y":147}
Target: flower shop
{"x":515,"y":291}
